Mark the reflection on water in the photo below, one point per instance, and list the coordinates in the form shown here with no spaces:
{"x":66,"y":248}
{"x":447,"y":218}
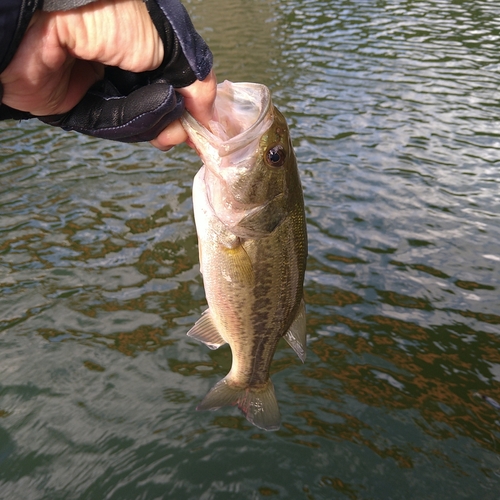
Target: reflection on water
{"x":393,"y":108}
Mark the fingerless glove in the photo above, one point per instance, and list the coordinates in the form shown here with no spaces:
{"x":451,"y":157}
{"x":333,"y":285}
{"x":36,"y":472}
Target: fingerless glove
{"x":132,"y":107}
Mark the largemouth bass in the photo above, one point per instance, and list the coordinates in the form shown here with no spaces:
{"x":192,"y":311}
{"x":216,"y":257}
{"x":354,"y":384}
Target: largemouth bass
{"x":249,"y":215}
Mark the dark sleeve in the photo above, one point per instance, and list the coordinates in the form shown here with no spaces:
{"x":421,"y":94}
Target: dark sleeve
{"x":53,"y":5}
{"x":15,"y":16}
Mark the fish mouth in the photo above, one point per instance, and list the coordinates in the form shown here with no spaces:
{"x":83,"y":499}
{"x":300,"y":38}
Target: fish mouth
{"x":243,"y":113}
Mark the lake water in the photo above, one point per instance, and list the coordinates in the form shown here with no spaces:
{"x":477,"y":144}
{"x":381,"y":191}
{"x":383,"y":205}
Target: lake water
{"x":394,"y":110}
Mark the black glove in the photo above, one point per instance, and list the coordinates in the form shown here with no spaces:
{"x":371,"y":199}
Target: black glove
{"x":131,"y":107}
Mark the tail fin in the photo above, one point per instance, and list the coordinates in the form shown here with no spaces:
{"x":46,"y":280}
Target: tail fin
{"x":259,"y":405}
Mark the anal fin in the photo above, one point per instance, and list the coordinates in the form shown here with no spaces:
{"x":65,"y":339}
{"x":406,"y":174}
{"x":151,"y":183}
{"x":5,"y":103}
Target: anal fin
{"x":296,"y":335}
{"x":205,"y":331}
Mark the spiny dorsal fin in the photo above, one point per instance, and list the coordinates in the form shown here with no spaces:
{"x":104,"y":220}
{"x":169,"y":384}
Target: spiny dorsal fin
{"x":205,"y":331}
{"x":296,"y":335}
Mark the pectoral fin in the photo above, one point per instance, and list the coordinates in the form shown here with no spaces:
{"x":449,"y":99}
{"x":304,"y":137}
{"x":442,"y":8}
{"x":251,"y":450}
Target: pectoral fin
{"x":238,"y":266}
{"x":296,"y":335}
{"x":205,"y":331}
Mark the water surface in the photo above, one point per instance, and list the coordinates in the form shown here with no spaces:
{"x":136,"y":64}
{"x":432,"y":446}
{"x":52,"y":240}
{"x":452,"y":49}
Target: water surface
{"x":393,"y":108}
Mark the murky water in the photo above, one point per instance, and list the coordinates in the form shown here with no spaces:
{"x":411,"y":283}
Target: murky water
{"x":394,"y":110}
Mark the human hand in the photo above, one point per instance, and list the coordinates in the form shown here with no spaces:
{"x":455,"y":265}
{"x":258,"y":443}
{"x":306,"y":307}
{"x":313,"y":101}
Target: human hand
{"x":63,"y":53}
{"x":199,"y":100}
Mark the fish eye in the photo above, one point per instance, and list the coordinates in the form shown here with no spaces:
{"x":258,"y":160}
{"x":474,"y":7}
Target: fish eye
{"x":276,"y":155}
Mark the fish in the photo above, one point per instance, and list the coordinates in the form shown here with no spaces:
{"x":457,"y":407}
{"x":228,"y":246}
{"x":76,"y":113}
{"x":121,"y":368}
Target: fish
{"x":250,"y":221}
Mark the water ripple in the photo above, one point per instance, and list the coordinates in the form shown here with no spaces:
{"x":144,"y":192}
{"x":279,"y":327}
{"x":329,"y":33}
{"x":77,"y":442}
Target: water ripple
{"x":393,"y":109}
